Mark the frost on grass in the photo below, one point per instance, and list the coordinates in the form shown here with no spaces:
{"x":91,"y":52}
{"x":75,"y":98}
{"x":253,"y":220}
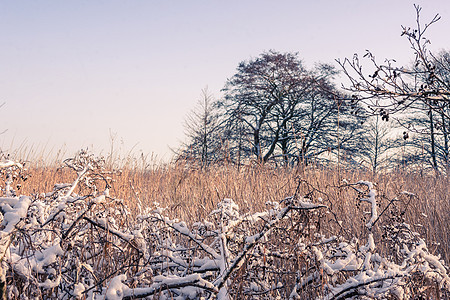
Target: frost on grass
{"x":77,"y":242}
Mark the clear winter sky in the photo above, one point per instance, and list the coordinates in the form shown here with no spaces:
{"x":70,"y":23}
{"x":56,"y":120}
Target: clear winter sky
{"x":73,"y":73}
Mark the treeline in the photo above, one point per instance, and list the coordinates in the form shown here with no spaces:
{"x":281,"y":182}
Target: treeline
{"x":382,"y":116}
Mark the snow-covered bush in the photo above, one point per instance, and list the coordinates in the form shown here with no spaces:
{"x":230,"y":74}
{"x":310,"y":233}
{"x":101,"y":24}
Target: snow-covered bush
{"x":79,"y":242}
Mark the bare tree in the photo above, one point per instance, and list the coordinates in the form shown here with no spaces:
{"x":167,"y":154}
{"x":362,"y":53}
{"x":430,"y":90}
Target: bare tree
{"x":283,"y":110}
{"x":400,"y":87}
{"x":442,"y":121}
{"x":201,"y":128}
{"x":424,"y":87}
{"x":264,"y":92}
{"x":426,"y":143}
{"x":324,"y":123}
{"x":379,"y":144}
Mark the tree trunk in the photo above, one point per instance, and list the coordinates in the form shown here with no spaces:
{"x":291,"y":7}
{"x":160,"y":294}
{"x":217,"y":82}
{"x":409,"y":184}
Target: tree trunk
{"x":257,"y":142}
{"x":445,"y":133}
{"x":433,"y":142}
{"x":375,"y":159}
{"x":284,"y":152}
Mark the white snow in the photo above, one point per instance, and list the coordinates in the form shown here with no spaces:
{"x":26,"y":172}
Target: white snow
{"x":76,"y":246}
{"x":78,"y":290}
{"x":116,"y":288}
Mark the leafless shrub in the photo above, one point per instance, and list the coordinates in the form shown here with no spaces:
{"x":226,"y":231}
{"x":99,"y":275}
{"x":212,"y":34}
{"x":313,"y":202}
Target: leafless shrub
{"x":90,"y":246}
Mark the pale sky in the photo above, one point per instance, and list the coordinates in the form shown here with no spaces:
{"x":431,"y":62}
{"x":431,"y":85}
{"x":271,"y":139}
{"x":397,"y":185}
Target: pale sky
{"x":73,"y":72}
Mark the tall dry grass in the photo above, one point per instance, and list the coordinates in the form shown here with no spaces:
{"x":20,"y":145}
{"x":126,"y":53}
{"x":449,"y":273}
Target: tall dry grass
{"x":190,"y":193}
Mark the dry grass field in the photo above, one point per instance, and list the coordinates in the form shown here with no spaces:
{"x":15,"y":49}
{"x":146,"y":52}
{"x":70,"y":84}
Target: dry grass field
{"x":191,"y":193}
{"x":94,"y":228}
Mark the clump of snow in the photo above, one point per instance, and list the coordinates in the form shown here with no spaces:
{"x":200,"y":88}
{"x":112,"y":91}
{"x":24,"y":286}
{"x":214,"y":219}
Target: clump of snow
{"x":78,"y":290}
{"x":371,"y":199}
{"x":116,"y":288}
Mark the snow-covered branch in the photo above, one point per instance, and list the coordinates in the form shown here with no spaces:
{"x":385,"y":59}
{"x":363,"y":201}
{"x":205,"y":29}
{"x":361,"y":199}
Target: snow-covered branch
{"x":62,"y":245}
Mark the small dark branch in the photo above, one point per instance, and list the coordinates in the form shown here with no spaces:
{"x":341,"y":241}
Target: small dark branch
{"x":114,"y":232}
{"x":193,"y":280}
{"x":303,"y":283}
{"x":248,"y":246}
{"x":265,"y":291}
{"x":343,"y":294}
{"x":80,"y":217}
{"x":384,"y":210}
{"x":203,"y":246}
